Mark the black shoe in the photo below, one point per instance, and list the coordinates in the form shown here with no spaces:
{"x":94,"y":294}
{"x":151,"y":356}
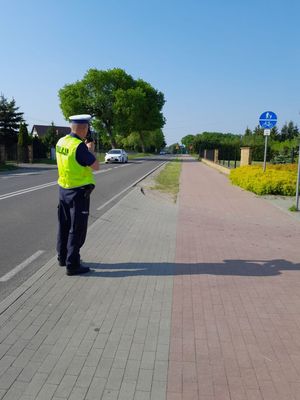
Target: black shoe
{"x":61,"y":263}
{"x":77,"y":271}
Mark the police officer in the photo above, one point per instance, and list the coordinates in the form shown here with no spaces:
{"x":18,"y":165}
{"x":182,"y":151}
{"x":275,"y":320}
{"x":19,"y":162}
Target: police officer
{"x":75,"y":162}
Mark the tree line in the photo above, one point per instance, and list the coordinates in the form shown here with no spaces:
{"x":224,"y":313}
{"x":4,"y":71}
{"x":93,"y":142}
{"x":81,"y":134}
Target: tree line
{"x":282,"y":144}
{"x":126,"y":112}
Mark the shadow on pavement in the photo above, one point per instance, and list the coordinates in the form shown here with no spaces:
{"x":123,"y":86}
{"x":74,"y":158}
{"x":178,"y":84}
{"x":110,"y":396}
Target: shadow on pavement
{"x":228,"y":267}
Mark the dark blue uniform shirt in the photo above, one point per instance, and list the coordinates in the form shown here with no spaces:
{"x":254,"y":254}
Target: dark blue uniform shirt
{"x":83,"y":156}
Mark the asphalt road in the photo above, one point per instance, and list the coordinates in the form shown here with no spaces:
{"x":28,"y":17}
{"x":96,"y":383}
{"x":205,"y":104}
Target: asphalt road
{"x":28,"y":207}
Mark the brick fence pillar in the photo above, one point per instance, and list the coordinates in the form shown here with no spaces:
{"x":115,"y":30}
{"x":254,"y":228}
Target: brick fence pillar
{"x":216,"y":156}
{"x":245,"y":156}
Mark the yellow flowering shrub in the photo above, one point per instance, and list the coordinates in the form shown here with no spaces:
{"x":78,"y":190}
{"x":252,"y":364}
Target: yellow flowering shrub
{"x":277,"y":179}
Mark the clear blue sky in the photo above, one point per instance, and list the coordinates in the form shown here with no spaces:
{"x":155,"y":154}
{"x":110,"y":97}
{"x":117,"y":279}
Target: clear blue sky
{"x":220,"y":64}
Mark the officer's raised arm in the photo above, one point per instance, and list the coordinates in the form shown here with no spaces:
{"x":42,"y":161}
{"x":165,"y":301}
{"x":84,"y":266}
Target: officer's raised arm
{"x":91,"y":147}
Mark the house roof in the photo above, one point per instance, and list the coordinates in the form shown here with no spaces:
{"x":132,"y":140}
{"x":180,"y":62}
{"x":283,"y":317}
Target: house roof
{"x":41,"y":130}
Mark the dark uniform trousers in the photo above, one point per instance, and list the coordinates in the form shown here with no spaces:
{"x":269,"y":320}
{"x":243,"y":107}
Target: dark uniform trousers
{"x":73,"y":213}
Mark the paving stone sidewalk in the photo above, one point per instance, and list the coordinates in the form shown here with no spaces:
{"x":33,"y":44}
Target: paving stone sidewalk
{"x":194,"y":300}
{"x":105,"y":335}
{"x":236,"y":294}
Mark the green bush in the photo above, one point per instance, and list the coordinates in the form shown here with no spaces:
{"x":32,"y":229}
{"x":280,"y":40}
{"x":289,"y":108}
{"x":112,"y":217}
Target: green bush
{"x":277,"y":179}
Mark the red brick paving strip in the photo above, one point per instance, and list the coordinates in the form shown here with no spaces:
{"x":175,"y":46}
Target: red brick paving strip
{"x":236,"y":299}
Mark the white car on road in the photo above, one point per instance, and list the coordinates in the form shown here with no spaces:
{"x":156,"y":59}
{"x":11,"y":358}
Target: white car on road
{"x":116,"y":155}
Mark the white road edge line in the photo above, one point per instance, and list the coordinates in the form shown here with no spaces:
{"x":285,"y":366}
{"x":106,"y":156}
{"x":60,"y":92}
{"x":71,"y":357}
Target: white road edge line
{"x":130,"y":186}
{"x":21,"y":266}
{"x":22,"y":191}
{"x":42,"y":186}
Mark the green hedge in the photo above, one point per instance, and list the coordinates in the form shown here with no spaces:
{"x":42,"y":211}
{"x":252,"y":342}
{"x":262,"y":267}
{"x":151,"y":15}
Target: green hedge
{"x":277,"y":179}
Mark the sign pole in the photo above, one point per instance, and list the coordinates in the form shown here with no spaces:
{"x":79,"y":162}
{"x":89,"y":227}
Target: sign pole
{"x":265,"y":154}
{"x":267,"y":120}
{"x":298,"y":178}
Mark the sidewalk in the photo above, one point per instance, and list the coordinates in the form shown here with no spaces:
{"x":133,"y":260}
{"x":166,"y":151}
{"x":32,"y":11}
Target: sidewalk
{"x":194,"y":300}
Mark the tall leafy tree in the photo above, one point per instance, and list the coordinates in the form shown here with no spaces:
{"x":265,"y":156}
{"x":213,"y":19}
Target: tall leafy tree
{"x":95,"y":94}
{"x":10,"y":119}
{"x":188,"y":141}
{"x":139,"y":109}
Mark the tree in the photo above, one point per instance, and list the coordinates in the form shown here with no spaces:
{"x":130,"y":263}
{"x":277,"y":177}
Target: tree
{"x":289,"y":131}
{"x":258,"y":131}
{"x":51,"y":137}
{"x":10,"y":120}
{"x":95,"y":94}
{"x":119,"y":104}
{"x":248,"y":132}
{"x":157,"y":140}
{"x":188,"y":141}
{"x":139,"y":109}
{"x":23,"y":142}
{"x":23,"y":137}
{"x":274,"y":133}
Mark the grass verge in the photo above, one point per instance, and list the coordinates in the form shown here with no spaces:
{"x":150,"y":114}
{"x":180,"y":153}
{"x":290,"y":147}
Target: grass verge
{"x":167,"y":180}
{"x":7,"y":167}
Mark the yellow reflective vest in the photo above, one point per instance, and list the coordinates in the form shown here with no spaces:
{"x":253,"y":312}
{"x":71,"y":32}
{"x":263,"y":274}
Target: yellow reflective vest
{"x":71,"y":173}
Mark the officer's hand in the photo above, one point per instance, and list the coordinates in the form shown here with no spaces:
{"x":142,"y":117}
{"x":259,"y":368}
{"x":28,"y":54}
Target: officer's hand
{"x":90,"y":146}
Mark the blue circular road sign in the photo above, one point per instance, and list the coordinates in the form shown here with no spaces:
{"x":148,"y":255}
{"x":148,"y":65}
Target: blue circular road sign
{"x":268,"y":120}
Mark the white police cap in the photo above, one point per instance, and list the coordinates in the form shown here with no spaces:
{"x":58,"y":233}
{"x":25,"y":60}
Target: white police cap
{"x":80,"y":119}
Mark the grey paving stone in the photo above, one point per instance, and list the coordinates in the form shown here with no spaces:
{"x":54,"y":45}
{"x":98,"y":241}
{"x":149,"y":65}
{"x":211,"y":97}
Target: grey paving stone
{"x":35,"y":385}
{"x":148,"y":359}
{"x":5,"y":363}
{"x":114,"y":379}
{"x":66,"y":386}
{"x":48,"y":364}
{"x":104,"y":367}
{"x":4,"y":349}
{"x":110,"y":395}
{"x":144,"y":381}
{"x":160,"y":371}
{"x":158,"y":390}
{"x":85,"y":377}
{"x":78,"y":393}
{"x":9,"y":376}
{"x":93,"y":358}
{"x":17,"y":348}
{"x":132,"y":370}
{"x":29,"y":371}
{"x":23,"y":358}
{"x":96,"y":389}
{"x":47,"y":391}
{"x":60,"y":368}
{"x":15,"y":391}
{"x":140,"y":395}
{"x":127,"y":390}
{"x":162,"y":352}
{"x":136,"y":351}
{"x":76,"y":365}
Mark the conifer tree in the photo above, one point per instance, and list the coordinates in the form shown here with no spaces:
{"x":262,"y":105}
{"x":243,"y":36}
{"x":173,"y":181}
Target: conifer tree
{"x":23,"y":137}
{"x":10,"y":119}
